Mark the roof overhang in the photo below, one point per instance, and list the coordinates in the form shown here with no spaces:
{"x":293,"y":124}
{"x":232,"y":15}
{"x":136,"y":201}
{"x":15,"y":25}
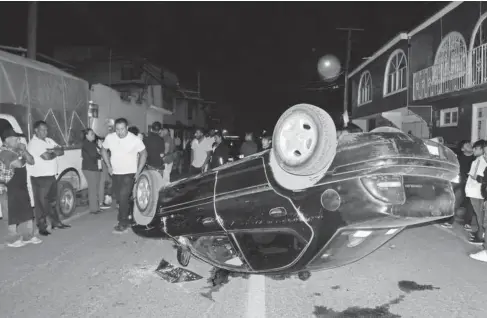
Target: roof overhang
{"x":404,"y":36}
{"x":382,"y":50}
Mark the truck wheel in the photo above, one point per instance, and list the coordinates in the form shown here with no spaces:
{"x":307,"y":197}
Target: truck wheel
{"x":146,"y":196}
{"x":66,"y":199}
{"x":304,"y":140}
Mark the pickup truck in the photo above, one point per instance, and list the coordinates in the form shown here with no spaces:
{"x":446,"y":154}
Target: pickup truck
{"x":32,"y":91}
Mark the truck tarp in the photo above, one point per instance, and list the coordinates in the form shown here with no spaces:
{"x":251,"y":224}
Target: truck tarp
{"x":31,"y":91}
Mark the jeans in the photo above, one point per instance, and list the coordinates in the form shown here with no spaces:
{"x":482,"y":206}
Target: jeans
{"x":104,"y":178}
{"x":123,"y":185}
{"x":478,"y":206}
{"x":45,"y":193}
{"x":166,"y":175}
{"x":94,"y":198}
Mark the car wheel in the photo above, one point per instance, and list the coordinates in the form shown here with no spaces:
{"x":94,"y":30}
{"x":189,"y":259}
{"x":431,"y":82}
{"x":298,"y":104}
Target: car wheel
{"x":304,"y":140}
{"x":146,"y":196}
{"x":66,"y":199}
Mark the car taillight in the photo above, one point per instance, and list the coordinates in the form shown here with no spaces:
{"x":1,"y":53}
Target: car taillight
{"x":386,"y":188}
{"x":350,"y":245}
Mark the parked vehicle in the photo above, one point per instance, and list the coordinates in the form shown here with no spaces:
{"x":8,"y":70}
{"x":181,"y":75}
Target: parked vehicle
{"x":312,"y":202}
{"x":31,"y":91}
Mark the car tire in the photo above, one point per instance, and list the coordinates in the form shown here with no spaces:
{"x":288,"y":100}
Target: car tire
{"x":146,"y":196}
{"x":304,"y":140}
{"x":65,"y":200}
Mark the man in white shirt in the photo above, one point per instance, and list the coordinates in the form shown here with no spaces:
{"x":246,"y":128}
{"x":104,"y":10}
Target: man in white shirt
{"x":473,"y":191}
{"x":126,"y":162}
{"x":43,"y":177}
{"x":200,"y":153}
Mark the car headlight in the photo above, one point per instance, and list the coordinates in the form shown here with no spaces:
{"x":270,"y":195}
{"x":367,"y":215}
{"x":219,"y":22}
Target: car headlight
{"x":143,"y":193}
{"x":456,"y":179}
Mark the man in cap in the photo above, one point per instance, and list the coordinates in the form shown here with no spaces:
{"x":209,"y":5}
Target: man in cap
{"x":43,"y":172}
{"x":13,"y":179}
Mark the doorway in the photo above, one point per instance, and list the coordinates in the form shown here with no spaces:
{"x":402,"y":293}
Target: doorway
{"x":479,"y":121}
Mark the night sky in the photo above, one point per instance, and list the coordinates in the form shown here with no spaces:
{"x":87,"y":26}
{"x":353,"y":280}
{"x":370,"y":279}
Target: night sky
{"x":253,"y":56}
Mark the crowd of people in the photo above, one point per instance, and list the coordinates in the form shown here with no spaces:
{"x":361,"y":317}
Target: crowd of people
{"x":111,"y":165}
{"x":471,"y":193}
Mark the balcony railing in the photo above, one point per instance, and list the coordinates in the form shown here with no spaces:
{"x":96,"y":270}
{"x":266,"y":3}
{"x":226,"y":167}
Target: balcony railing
{"x":464,"y":71}
{"x":441,"y":78}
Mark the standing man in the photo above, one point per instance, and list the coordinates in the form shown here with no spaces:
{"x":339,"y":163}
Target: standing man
{"x":473,"y":189}
{"x":154,"y":145}
{"x":465,"y":159}
{"x":200,"y":153}
{"x":249,"y":147}
{"x":127,"y":160}
{"x":168,"y":153}
{"x":221,"y":152}
{"x":43,"y":172}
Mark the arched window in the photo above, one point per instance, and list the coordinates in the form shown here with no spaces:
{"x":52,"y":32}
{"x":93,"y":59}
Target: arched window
{"x":364,"y":89}
{"x":478,"y":49}
{"x":395,"y":78}
{"x":451,"y":57}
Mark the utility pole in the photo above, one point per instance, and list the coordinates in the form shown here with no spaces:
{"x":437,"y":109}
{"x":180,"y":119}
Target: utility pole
{"x":32,"y":30}
{"x":199,"y":84}
{"x":347,"y":64}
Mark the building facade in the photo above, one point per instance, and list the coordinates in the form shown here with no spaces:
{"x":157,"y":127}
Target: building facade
{"x":435,"y":73}
{"x":145,"y":86}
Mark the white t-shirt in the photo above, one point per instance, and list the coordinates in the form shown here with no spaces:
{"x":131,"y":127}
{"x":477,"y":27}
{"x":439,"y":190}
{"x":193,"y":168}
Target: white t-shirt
{"x":200,"y":151}
{"x":472,"y":188}
{"x":124,"y":152}
{"x":41,"y":167}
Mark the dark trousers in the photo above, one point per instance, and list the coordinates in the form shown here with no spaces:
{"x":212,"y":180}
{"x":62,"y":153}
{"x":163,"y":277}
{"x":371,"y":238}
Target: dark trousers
{"x":45,"y":193}
{"x":461,"y":200}
{"x":122,"y":189}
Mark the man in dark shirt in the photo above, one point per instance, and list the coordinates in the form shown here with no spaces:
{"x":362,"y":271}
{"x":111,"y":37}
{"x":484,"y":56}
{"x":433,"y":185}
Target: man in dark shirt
{"x":249,"y":147}
{"x":155,"y":148}
{"x":465,"y":158}
{"x":220,"y":152}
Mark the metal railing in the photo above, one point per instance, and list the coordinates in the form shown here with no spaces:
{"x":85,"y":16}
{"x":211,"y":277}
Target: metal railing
{"x":441,"y":78}
{"x":464,"y":71}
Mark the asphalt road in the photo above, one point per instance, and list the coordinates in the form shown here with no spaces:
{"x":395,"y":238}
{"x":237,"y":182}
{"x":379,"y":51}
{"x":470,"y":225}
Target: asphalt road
{"x":87,"y":271}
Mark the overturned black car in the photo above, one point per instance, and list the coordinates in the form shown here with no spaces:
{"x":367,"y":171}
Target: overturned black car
{"x":315,"y":201}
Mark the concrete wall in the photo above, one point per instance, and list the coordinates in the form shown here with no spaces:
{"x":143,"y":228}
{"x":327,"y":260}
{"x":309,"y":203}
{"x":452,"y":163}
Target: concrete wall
{"x":111,"y":106}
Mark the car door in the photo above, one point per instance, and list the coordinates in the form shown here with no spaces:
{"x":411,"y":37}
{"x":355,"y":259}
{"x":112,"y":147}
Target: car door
{"x":263,"y":224}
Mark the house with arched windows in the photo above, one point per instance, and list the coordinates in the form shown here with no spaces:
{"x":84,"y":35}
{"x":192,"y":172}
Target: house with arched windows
{"x":430,"y":81}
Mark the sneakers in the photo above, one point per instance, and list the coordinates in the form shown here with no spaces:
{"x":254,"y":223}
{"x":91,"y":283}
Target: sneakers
{"x":33,"y":240}
{"x":480,"y":256}
{"x":104,"y":206}
{"x":120,"y":229}
{"x":18,"y":243}
{"x":447,"y":225}
{"x":475,"y":240}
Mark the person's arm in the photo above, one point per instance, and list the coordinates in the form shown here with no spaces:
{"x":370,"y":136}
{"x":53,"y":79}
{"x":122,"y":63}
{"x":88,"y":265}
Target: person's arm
{"x":36,"y":149}
{"x":104,"y":153}
{"x":142,"y":161}
{"x":142,"y":151}
{"x":24,"y":153}
{"x":58,"y":150}
{"x":6,"y":174}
